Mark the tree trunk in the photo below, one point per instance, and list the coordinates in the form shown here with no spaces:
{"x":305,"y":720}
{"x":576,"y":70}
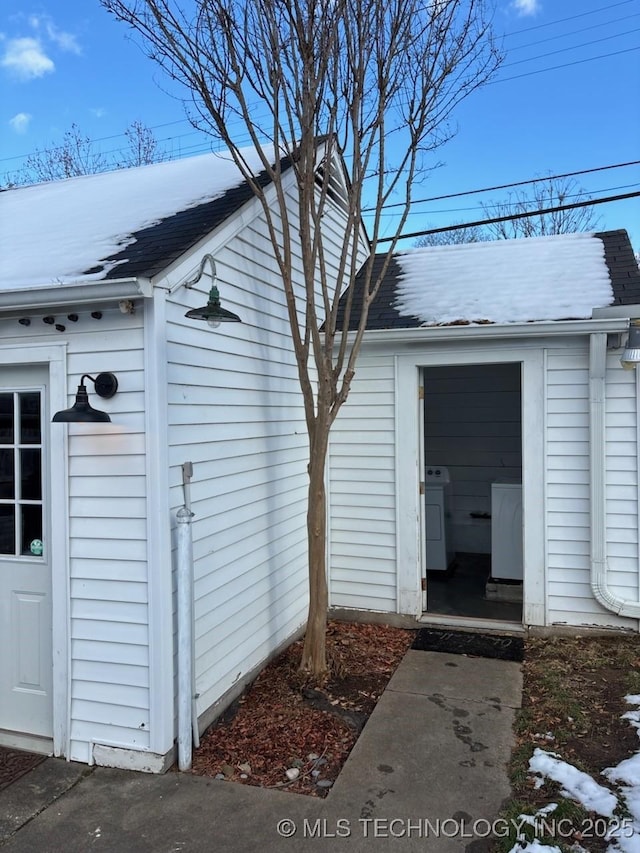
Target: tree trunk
{"x":314,"y":658}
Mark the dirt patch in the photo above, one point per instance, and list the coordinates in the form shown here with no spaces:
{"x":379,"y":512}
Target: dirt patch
{"x":573,"y":702}
{"x":287,"y":722}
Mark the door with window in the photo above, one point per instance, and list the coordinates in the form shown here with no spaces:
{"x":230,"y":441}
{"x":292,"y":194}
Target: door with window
{"x":25,"y":578}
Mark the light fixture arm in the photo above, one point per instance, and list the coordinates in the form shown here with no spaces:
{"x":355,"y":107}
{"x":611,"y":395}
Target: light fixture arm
{"x":105,"y":384}
{"x":208,"y":257}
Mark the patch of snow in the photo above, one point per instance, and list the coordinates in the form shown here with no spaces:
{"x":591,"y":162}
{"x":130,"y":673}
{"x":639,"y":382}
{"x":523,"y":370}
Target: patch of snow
{"x":575,"y":783}
{"x":53,"y":232}
{"x":557,"y":277}
{"x":532,"y":819}
{"x":627,"y":772}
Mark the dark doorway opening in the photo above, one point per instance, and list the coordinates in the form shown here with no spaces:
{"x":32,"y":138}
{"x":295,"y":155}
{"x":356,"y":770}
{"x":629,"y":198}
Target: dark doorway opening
{"x":473,"y":491}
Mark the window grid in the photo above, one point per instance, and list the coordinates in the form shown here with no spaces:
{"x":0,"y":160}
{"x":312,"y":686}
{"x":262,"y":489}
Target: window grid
{"x":17,"y":501}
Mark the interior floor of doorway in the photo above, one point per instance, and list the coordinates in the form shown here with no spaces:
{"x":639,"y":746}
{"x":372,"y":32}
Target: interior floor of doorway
{"x":462,"y":591}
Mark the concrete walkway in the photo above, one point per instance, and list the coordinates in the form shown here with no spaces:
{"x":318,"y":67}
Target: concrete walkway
{"x":427,"y":773}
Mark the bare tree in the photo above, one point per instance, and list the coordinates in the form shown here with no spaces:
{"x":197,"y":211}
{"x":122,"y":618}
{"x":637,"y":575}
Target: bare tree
{"x":468,"y":234}
{"x":372,"y":81}
{"x":78,"y":155}
{"x":142,"y":147}
{"x":553,"y":192}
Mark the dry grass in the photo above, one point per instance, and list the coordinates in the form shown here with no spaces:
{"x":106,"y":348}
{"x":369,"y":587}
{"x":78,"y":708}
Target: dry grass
{"x":573,"y":701}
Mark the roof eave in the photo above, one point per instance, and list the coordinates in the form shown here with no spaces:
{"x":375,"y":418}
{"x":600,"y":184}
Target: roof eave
{"x":78,"y":293}
{"x":493,"y":331}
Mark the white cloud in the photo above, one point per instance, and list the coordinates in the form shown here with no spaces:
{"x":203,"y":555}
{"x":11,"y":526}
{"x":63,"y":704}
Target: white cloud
{"x":98,"y":112}
{"x":64,"y":40}
{"x":20,"y":122}
{"x":527,"y":7}
{"x":26,"y":59}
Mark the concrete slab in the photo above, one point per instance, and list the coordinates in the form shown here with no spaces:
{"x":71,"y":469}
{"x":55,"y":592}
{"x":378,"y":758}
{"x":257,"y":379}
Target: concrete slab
{"x":428,"y":770}
{"x":35,"y":791}
{"x":118,"y":810}
{"x":430,"y":759}
{"x":474,"y":679}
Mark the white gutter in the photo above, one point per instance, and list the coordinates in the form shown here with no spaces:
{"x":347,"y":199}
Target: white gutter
{"x":491,"y":331}
{"x":598,"y":467}
{"x":81,"y":293}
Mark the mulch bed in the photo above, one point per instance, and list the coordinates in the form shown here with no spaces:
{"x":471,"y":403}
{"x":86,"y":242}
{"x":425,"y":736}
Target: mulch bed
{"x":14,"y":763}
{"x":286,"y":721}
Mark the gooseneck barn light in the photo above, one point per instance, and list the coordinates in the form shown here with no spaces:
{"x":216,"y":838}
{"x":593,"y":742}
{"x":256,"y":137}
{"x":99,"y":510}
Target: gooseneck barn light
{"x":212,"y":312}
{"x":630,"y":358}
{"x":105,"y":385}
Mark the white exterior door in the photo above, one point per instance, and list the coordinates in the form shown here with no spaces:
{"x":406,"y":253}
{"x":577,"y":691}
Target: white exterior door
{"x":26,"y":666}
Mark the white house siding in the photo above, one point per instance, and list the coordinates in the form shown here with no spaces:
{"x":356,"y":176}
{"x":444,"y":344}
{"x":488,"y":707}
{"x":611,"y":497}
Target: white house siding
{"x":362,"y":486}
{"x":570,"y":599}
{"x":109,"y":671}
{"x":235,"y":412}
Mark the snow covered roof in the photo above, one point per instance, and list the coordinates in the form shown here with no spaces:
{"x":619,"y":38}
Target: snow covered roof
{"x":561,"y":277}
{"x":115,"y":224}
{"x":510,"y":281}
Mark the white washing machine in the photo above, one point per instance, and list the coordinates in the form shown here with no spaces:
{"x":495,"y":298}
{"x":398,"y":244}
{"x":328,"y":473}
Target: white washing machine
{"x":506,"y":530}
{"x":438,"y":499}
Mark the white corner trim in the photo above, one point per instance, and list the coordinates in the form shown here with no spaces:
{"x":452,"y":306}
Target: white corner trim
{"x":161,"y":688}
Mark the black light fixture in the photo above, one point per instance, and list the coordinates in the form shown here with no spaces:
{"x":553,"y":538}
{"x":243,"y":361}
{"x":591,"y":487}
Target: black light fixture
{"x":212,"y":312}
{"x":630,"y":358}
{"x":82,"y":412}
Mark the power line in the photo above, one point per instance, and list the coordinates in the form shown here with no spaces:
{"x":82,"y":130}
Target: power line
{"x":566,"y":65}
{"x":572,"y":18}
{"x":508,"y":186}
{"x":492,"y":206}
{"x":523,"y":215}
{"x":574,"y":32}
{"x":573,"y":47}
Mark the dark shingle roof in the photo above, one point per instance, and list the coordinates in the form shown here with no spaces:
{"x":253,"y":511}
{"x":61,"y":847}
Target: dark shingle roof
{"x":623,"y":269}
{"x":159,"y":245}
{"x":619,"y":257}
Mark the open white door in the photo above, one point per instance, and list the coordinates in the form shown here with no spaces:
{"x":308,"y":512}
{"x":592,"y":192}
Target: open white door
{"x":26,"y":666}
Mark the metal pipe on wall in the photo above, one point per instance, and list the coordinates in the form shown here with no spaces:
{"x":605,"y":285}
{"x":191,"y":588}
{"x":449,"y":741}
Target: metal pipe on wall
{"x":184,"y":578}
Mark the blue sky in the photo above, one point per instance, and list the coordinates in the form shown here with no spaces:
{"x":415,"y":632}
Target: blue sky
{"x":566,"y":99}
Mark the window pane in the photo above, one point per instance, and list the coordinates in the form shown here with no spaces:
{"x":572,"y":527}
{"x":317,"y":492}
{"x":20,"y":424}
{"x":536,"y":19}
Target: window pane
{"x":7,"y":530}
{"x":7,"y":473}
{"x":30,"y":418}
{"x":30,"y":476}
{"x":31,"y":530}
{"x":6,"y":418}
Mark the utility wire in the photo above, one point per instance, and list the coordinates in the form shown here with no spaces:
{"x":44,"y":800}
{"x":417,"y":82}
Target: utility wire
{"x":508,"y":186}
{"x":572,"y":18}
{"x":489,"y":207}
{"x":511,"y":216}
{"x":565,"y":49}
{"x":574,"y":32}
{"x":566,"y":65}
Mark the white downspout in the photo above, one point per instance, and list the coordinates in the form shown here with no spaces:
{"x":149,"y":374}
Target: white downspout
{"x":184,"y":580}
{"x":598,"y":468}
